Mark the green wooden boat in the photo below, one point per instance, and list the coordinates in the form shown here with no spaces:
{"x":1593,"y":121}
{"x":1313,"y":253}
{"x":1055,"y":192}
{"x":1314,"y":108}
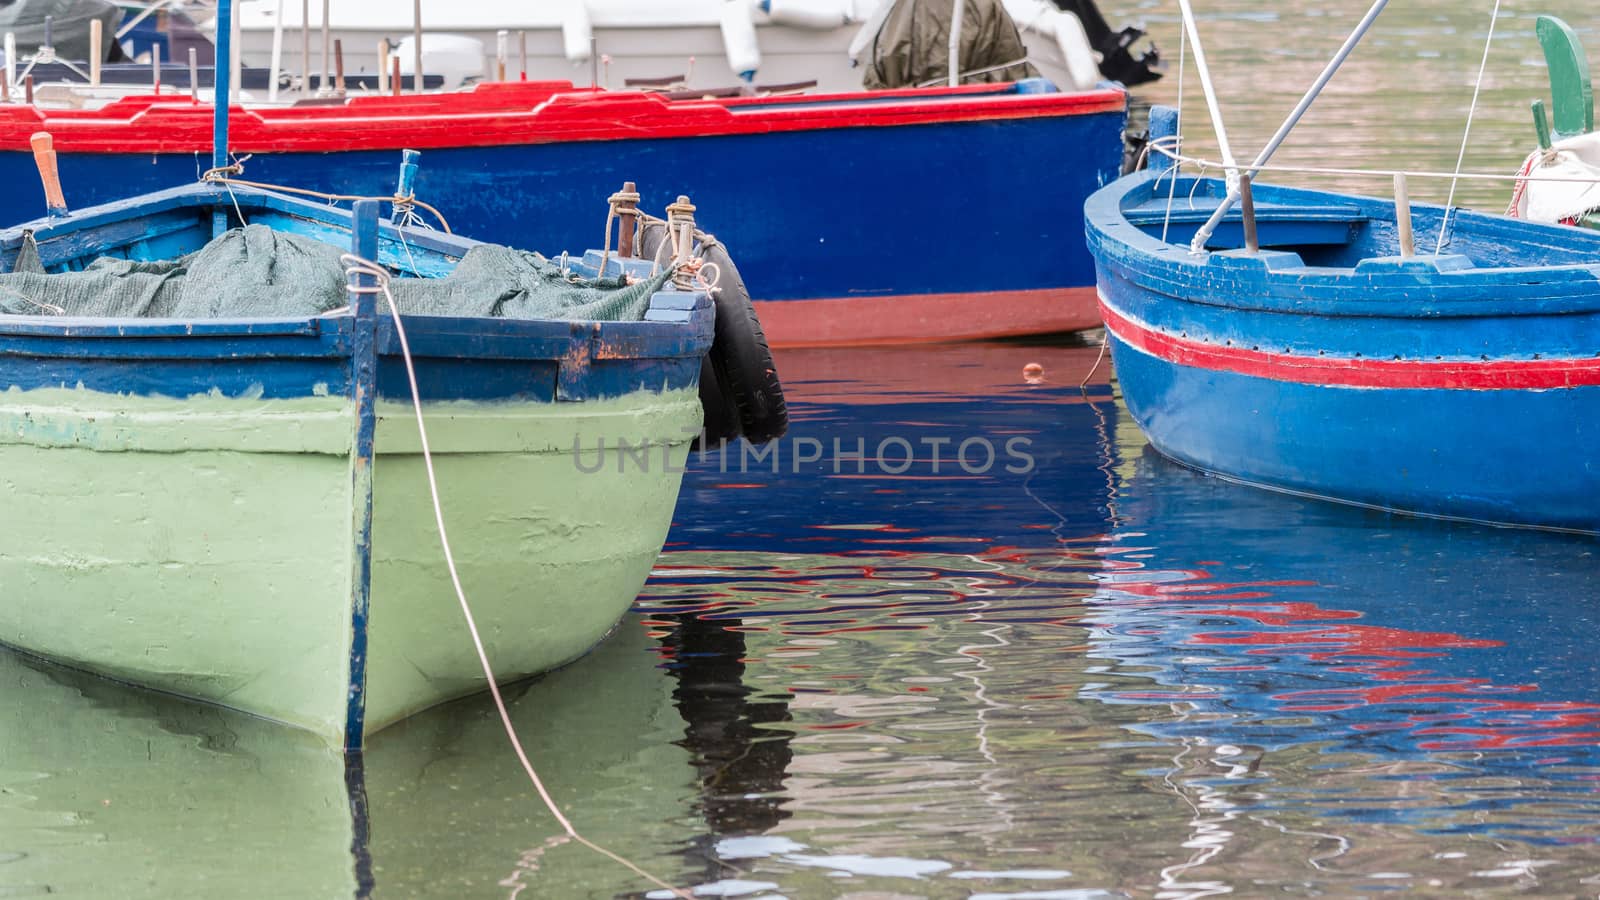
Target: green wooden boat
{"x":236,"y":509}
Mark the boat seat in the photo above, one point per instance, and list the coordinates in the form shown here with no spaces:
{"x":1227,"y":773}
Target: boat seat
{"x":1276,"y":225}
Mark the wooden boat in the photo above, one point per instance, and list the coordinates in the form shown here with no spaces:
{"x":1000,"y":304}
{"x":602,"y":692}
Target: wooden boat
{"x":236,"y":510}
{"x":1464,"y":384}
{"x":868,"y":248}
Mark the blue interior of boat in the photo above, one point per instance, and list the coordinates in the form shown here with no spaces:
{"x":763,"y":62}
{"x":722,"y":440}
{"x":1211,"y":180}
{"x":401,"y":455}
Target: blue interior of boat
{"x":1329,"y":230}
{"x":170,"y":224}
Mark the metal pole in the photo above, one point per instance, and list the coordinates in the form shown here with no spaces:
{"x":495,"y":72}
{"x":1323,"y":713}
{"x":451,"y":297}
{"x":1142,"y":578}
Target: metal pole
{"x":305,"y":47}
{"x":219,"y":104}
{"x":956,"y":15}
{"x":1211,"y":95}
{"x":327,"y":53}
{"x":416,"y":41}
{"x":224,"y":77}
{"x":277,"y":55}
{"x":1300,"y":108}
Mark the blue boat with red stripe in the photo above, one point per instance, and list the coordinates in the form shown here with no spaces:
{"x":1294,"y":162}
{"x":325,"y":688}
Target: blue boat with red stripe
{"x":1460,"y":384}
{"x":866,"y":218}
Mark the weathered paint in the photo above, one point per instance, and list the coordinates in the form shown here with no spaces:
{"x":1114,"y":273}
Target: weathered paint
{"x":222,"y":571}
{"x":195,"y":503}
{"x":1463,"y":385}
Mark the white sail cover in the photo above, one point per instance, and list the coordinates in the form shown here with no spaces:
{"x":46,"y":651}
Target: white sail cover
{"x":1559,"y":201}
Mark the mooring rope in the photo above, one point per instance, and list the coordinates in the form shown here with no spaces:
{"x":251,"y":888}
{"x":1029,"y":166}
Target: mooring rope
{"x":356,"y":266}
{"x":222,"y":175}
{"x":1164,"y":147}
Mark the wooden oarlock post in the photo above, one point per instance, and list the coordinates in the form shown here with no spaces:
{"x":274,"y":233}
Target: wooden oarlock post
{"x":1247,"y":212}
{"x":44,"y":156}
{"x":502,"y":50}
{"x":396,"y":83}
{"x":625,"y":203}
{"x":194,"y":75}
{"x":155,"y":68}
{"x":522,"y":40}
{"x":96,"y":50}
{"x":680,"y":229}
{"x":338,"y":67}
{"x":383,"y":66}
{"x":1402,"y":216}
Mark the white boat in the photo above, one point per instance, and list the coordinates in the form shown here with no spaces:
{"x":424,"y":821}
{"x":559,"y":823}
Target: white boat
{"x":695,"y":44}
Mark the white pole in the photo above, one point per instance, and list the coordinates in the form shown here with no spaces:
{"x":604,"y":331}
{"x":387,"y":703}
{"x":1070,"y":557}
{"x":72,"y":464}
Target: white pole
{"x":277,"y":55}
{"x":956,"y":15}
{"x":416,"y":46}
{"x":11,"y":62}
{"x":235,"y":59}
{"x":305,"y":47}
{"x":1211,"y":96}
{"x":1199,"y":242}
{"x":324,"y":86}
{"x":97,"y":51}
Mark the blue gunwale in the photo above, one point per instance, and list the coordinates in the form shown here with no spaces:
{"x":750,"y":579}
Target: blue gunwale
{"x":1496,"y":266}
{"x":1463,"y":386}
{"x":295,"y":356}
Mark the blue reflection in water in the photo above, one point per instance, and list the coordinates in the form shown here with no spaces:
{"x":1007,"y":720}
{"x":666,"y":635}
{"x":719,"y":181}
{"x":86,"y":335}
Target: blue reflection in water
{"x":1226,"y":618}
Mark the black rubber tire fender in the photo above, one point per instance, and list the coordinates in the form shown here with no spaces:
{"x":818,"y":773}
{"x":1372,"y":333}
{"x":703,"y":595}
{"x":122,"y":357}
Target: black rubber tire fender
{"x":744,"y":396}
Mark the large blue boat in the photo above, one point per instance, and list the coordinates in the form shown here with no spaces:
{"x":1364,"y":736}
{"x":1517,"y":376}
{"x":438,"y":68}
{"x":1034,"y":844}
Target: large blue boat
{"x":1462,"y":384}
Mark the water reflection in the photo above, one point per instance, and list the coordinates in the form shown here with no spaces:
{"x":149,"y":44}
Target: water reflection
{"x":1114,"y":674}
{"x":1104,"y":676}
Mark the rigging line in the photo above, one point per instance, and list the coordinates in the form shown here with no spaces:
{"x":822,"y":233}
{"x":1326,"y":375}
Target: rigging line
{"x":1177,"y":143}
{"x":355,"y":265}
{"x":1477,"y":87}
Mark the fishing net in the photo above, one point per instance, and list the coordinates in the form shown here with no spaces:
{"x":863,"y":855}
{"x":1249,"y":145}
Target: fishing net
{"x":255,"y":272}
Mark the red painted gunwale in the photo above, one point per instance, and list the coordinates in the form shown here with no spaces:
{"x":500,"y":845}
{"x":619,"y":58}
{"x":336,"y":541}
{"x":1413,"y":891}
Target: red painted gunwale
{"x":1356,"y":372}
{"x":510,"y":113}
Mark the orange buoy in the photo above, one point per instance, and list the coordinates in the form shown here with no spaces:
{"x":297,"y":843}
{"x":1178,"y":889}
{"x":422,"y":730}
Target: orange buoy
{"x":1033,"y":373}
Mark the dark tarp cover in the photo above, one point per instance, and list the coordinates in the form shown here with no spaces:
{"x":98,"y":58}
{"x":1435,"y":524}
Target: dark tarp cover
{"x":69,"y":27}
{"x":255,"y":272}
{"x":912,"y":48}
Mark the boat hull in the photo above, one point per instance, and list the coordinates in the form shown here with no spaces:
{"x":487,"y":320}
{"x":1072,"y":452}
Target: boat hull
{"x":219,"y":566}
{"x":1522,"y":457}
{"x":1460,"y":385}
{"x":843,"y":229}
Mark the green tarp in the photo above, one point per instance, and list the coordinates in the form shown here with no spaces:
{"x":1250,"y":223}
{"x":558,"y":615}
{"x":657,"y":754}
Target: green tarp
{"x":912,"y":48}
{"x":255,"y":272}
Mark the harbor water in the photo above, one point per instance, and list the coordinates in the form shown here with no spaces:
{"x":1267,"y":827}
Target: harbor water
{"x":961,"y":634}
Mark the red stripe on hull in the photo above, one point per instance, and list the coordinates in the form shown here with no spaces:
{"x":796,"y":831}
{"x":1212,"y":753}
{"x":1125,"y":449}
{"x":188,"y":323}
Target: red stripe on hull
{"x":1359,"y":372}
{"x":926,"y":318}
{"x":511,"y":114}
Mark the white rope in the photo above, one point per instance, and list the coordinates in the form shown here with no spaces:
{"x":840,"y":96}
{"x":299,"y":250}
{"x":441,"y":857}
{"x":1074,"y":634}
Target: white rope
{"x":1444,"y":224}
{"x":1163,"y":149}
{"x":355,"y":266}
{"x":1177,"y":138}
